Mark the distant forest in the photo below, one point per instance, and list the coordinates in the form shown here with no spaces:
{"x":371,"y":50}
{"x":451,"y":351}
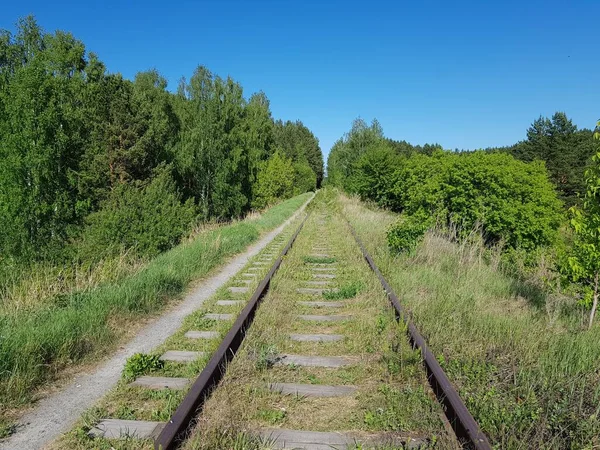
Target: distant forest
{"x":92,"y":163}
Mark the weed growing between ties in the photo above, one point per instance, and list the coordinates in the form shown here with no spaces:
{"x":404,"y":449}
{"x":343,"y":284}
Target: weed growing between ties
{"x":346,"y":291}
{"x":319,"y":259}
{"x":141,"y":364}
{"x":528,"y":374}
{"x":39,"y":341}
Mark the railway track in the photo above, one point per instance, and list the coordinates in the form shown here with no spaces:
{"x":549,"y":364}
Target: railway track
{"x":303,"y":350}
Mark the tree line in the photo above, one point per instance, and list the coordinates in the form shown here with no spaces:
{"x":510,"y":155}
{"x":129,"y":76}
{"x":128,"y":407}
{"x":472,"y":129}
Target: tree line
{"x":91,"y":163}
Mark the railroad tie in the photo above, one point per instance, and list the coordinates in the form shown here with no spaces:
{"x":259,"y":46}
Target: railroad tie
{"x":316,"y":337}
{"x":182,"y":356}
{"x":318,"y":283}
{"x":321,"y":440}
{"x":317,"y":318}
{"x":228,"y":302}
{"x":323,"y":304}
{"x":238,"y":289}
{"x":161,"y":383}
{"x":314,"y":291}
{"x":193,"y":334}
{"x":312,"y":390}
{"x":313,"y":361}
{"x":120,"y":429}
{"x":323,"y":275}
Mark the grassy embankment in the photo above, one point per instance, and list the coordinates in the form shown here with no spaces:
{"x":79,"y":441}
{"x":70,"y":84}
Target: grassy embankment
{"x":525,"y":365}
{"x":38,"y":339}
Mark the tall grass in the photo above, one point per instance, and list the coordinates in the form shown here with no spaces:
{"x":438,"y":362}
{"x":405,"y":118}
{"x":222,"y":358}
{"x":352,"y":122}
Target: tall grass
{"x":39,"y":340}
{"x":528,"y":371}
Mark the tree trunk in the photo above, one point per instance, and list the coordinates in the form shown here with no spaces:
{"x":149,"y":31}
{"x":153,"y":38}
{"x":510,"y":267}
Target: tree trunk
{"x":595,"y":302}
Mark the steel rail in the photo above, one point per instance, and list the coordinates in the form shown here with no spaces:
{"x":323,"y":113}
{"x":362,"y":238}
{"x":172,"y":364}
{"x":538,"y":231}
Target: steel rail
{"x":464,"y":425}
{"x":172,"y":434}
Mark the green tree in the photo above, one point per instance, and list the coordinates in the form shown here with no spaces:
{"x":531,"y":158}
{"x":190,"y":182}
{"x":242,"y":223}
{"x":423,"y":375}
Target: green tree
{"x":275,"y":180}
{"x":347,"y":151}
{"x":372,"y":177}
{"x":146,"y":216}
{"x":42,"y":134}
{"x":585,"y":261}
{"x":305,"y":180}
{"x":298,"y":143}
{"x":566,"y":151}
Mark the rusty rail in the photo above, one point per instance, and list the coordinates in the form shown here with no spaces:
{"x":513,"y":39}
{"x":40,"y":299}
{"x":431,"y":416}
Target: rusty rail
{"x":464,"y":425}
{"x":172,"y":434}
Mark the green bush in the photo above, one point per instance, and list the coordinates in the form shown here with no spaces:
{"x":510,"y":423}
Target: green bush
{"x":146,"y":217}
{"x":305,"y":179}
{"x":407,"y":233}
{"x":275,"y":181}
{"x":373,"y":174}
{"x":513,"y":201}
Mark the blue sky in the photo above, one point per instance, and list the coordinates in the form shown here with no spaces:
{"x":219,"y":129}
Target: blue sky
{"x":465,"y":74}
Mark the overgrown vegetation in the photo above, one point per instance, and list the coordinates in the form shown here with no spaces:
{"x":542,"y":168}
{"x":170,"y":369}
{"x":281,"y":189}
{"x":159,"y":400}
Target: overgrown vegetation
{"x":102,"y":177}
{"x":62,"y":330}
{"x":519,"y":353}
{"x":91,"y":161}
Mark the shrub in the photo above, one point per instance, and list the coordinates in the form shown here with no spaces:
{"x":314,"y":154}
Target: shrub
{"x":147,"y":217}
{"x":275,"y":181}
{"x":305,"y":179}
{"x":407,"y":233}
{"x":513,"y":201}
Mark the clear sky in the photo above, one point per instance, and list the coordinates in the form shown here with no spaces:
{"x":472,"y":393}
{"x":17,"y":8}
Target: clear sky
{"x":465,"y":74}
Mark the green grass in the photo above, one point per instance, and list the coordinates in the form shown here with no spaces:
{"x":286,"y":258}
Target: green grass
{"x":37,"y":342}
{"x":319,"y":259}
{"x":521,"y":359}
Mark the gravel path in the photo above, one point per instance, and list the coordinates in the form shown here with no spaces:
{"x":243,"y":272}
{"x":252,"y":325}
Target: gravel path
{"x":56,"y":414}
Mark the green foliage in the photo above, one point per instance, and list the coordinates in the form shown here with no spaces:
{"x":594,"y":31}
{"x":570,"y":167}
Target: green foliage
{"x":275,"y":181}
{"x":146,"y":216}
{"x":512,"y":201}
{"x":34,"y":345}
{"x":372,"y":177}
{"x":299,"y":144}
{"x":566,"y":151}
{"x":319,"y":259}
{"x":585,"y":261}
{"x":407,"y":233}
{"x":347,"y":151}
{"x":73,"y":138}
{"x":305,"y":180}
{"x":141,"y":364}
{"x":273,"y":416}
{"x":346,"y":291}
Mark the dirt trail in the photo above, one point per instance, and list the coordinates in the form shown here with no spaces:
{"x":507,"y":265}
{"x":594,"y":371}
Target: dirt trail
{"x":56,"y":413}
